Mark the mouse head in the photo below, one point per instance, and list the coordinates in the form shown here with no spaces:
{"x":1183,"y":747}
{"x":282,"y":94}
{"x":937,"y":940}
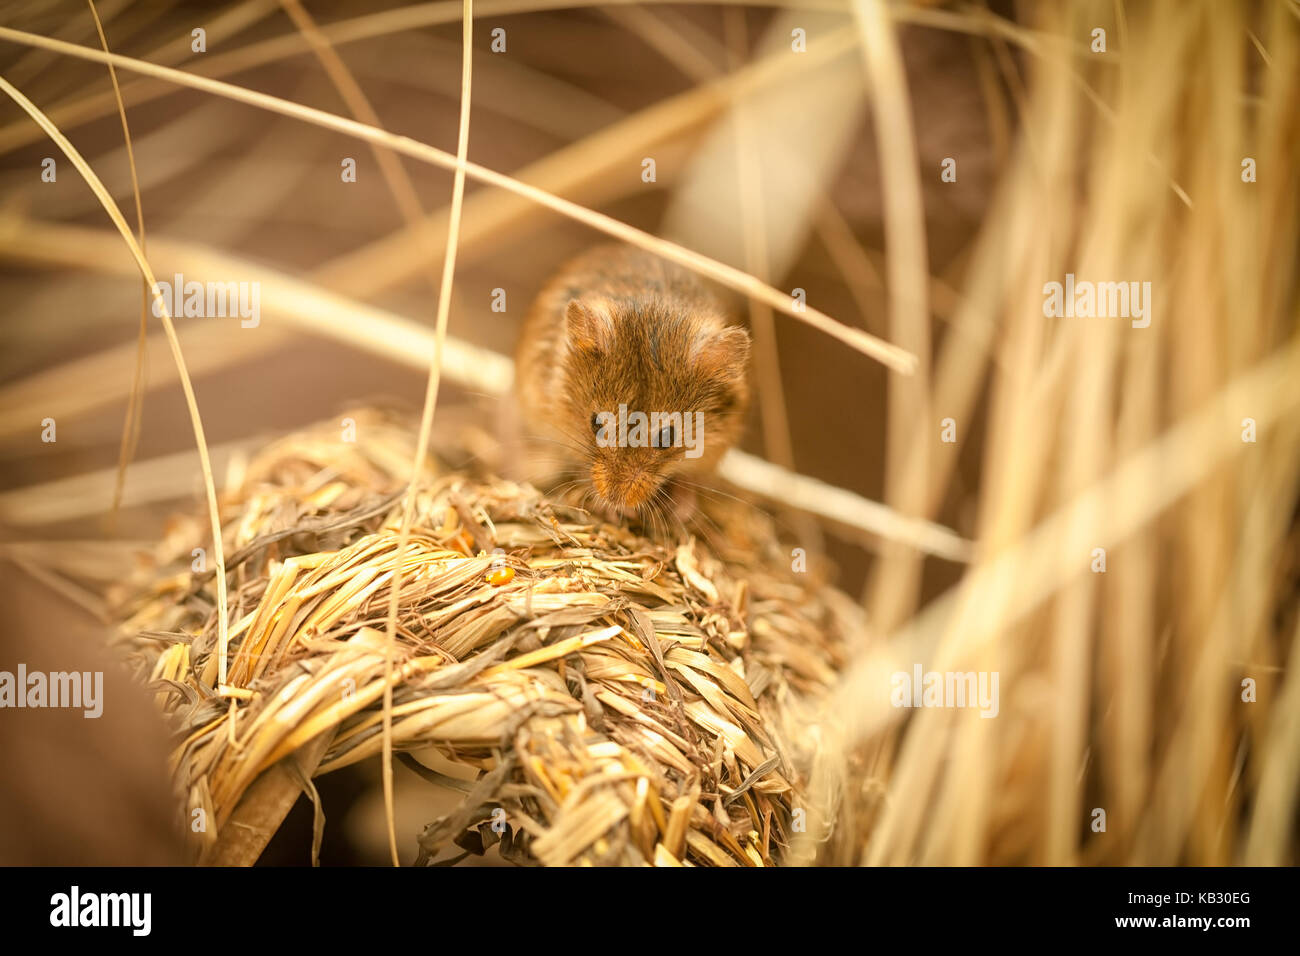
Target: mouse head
{"x":654,"y":389}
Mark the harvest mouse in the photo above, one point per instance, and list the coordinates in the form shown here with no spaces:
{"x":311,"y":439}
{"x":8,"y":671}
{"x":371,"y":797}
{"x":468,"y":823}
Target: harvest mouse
{"x":631,"y":381}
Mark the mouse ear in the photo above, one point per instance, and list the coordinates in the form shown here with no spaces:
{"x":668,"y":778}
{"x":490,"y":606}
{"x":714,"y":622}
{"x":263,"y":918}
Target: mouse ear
{"x":588,"y":326}
{"x":724,"y":353}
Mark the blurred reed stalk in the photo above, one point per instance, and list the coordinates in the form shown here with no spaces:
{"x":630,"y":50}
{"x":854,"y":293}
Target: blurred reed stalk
{"x":1120,"y":691}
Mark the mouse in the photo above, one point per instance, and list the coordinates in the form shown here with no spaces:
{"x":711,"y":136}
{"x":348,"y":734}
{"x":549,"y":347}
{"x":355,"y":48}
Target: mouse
{"x":632,"y":381}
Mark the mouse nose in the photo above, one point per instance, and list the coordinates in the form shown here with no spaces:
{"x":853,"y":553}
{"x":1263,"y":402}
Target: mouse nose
{"x":627,"y":488}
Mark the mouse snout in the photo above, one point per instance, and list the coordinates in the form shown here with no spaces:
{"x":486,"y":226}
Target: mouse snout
{"x":623,"y":481}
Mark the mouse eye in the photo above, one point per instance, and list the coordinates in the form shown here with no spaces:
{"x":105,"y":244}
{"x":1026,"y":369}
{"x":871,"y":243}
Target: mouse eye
{"x":666,"y":436}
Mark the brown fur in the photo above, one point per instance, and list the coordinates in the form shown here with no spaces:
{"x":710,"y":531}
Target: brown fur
{"x":618,"y":325}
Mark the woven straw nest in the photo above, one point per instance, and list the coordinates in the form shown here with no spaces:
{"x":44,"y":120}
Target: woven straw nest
{"x":622,"y":698}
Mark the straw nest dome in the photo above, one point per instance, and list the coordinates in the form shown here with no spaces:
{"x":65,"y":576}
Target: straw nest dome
{"x":599,"y":695}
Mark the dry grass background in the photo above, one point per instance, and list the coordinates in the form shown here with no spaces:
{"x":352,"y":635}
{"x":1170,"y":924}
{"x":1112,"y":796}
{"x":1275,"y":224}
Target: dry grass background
{"x":820,"y":170}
